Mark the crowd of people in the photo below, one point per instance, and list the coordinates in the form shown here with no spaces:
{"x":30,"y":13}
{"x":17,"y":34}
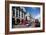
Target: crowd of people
{"x":28,"y":22}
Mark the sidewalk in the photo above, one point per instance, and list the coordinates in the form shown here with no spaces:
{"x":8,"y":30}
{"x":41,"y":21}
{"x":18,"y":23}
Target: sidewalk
{"x":22,"y":26}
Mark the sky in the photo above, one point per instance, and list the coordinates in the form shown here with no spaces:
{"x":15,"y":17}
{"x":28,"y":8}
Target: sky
{"x":34,"y":11}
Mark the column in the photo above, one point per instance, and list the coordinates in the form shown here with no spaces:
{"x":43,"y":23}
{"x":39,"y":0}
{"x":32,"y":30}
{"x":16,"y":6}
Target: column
{"x":23,"y":15}
{"x":15,"y":12}
{"x":20,"y":15}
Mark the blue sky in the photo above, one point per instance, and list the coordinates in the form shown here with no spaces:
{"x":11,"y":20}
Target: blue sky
{"x":33,"y":10}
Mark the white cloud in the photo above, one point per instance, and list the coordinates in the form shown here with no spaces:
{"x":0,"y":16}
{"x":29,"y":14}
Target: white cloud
{"x":37,"y":17}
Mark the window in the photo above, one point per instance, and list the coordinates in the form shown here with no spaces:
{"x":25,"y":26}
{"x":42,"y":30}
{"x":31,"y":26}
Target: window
{"x":16,"y":13}
{"x":13,"y":11}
